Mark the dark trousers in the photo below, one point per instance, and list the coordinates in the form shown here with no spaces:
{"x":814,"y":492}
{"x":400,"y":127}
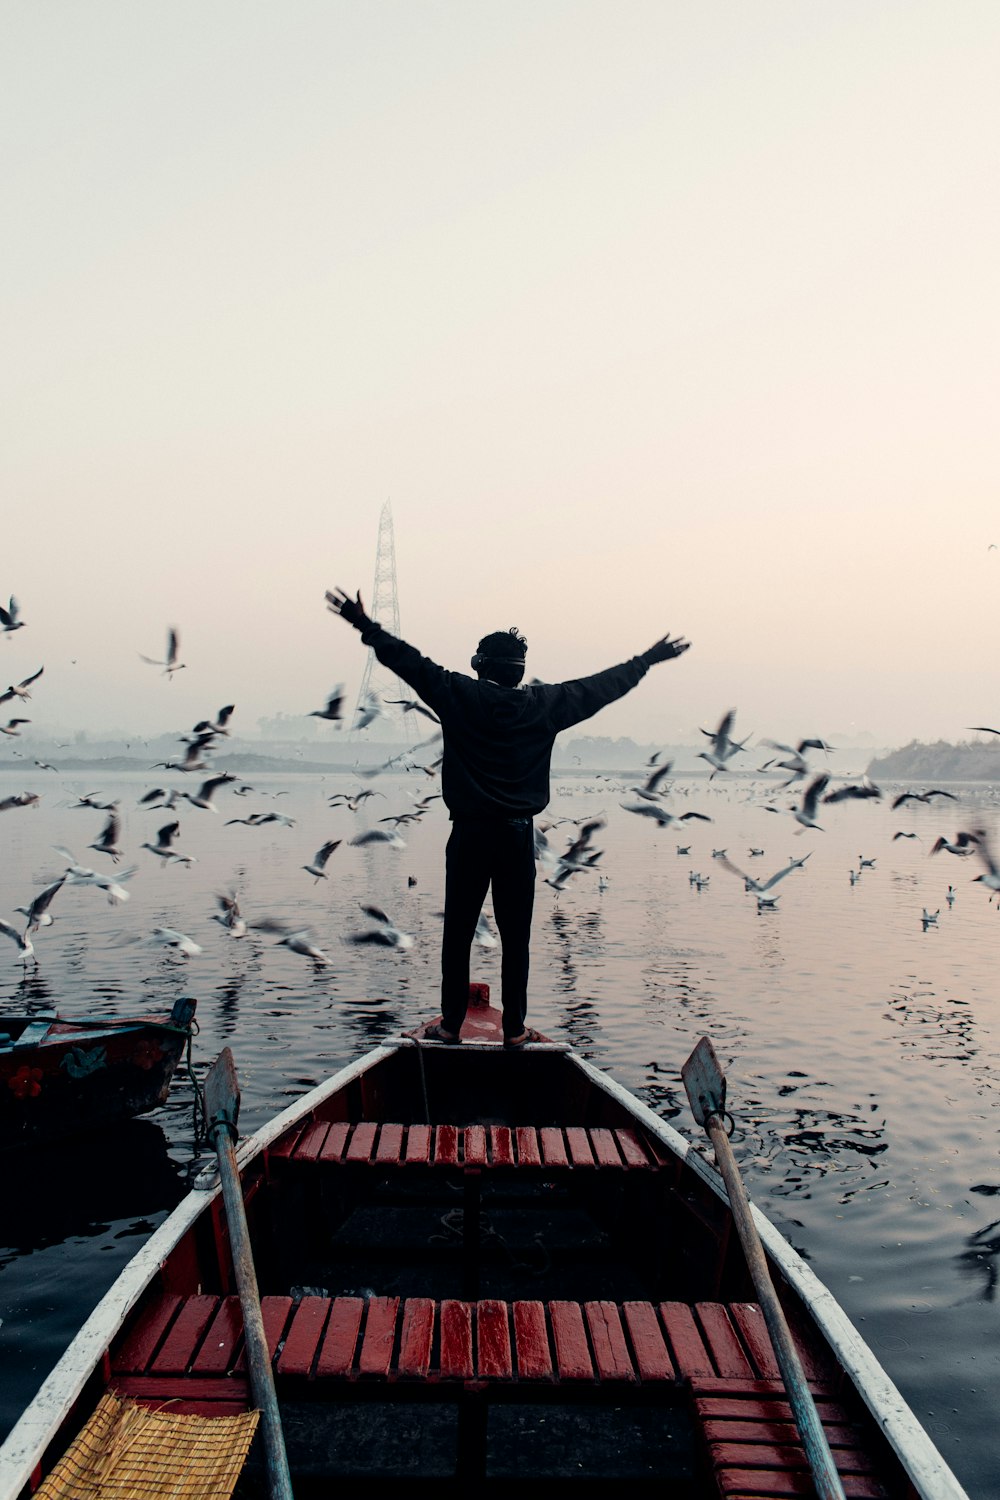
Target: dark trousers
{"x":498,"y":852}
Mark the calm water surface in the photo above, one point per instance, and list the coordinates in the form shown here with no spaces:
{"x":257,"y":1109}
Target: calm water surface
{"x":862,"y":1050}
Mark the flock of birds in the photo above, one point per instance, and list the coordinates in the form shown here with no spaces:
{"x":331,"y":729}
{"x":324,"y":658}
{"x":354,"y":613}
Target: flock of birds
{"x":194,"y":758}
{"x":648,"y":799}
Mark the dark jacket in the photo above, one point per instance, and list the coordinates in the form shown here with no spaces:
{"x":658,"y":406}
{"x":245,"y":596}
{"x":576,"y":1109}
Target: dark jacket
{"x":498,"y":740}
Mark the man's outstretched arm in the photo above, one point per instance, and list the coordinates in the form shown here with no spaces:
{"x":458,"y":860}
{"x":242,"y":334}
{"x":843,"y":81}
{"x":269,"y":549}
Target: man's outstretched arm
{"x":574,"y":701}
{"x":420,"y":672}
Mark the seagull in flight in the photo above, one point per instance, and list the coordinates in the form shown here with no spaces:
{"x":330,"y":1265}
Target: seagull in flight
{"x":650,"y":787}
{"x":257,"y":820}
{"x":164,"y":845}
{"x":806,"y":814}
{"x":171,"y":665}
{"x":334,"y":705}
{"x":18,"y":799}
{"x":378,"y":836}
{"x":203,"y":796}
{"x":991,"y":879}
{"x":221,"y":724}
{"x":853,"y":791}
{"x":319,"y":859}
{"x":158,"y":797}
{"x":662,"y":817}
{"x":368,"y":712}
{"x":107,"y":841}
{"x":25,"y":947}
{"x":964,"y":844}
{"x":112,"y":885}
{"x":758,"y":887}
{"x":228,"y":915}
{"x":37,"y":913}
{"x":723,"y":746}
{"x":192,"y":757}
{"x":484,"y":935}
{"x":12,"y":727}
{"x":20,"y":689}
{"x":169,"y":937}
{"x":411,"y":706}
{"x":89,"y":799}
{"x":386,"y":933}
{"x":905,"y":797}
{"x":797,"y":766}
{"x":297,"y":941}
{"x":9,"y":620}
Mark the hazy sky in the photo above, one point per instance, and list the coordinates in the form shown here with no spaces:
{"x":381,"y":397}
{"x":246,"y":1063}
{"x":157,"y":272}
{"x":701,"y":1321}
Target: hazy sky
{"x":645,"y":316}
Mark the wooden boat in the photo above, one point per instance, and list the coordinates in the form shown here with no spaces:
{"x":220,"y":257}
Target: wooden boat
{"x":481,"y":1266}
{"x":61,"y":1077}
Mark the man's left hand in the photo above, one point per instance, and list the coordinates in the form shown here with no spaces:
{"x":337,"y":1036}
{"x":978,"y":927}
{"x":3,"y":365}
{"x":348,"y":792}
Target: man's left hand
{"x":666,"y":649}
{"x":351,"y":610}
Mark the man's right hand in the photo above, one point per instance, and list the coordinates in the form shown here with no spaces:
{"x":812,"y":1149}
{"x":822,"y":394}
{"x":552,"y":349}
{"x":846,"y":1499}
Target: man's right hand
{"x":666,"y":649}
{"x":351,"y":610}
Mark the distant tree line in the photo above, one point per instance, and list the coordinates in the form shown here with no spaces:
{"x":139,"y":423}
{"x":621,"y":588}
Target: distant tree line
{"x":941,"y":761}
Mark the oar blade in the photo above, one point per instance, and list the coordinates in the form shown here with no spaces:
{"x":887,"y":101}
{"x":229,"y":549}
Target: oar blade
{"x":705,"y":1082}
{"x":222,"y":1092}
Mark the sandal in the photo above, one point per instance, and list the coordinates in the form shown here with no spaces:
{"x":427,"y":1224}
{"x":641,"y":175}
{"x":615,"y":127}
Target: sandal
{"x":514,"y":1044}
{"x":437,"y":1033}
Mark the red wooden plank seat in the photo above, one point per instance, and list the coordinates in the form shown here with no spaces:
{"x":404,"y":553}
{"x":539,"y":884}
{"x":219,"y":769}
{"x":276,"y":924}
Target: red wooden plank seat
{"x":754,"y":1450}
{"x":398,"y":1339}
{"x":189,"y":1351}
{"x":573,"y":1147}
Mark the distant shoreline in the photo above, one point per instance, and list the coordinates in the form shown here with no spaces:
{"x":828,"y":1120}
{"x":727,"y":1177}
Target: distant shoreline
{"x":939,"y":762}
{"x":916,"y":761}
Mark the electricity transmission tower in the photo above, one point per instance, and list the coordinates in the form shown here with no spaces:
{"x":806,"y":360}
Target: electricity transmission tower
{"x":384,"y":608}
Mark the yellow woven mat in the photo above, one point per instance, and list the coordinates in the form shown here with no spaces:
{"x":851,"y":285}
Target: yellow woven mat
{"x":127,"y":1452}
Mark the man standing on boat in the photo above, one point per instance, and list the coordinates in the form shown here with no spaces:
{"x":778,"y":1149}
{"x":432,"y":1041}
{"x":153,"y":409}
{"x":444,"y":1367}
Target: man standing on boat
{"x":498,"y":739}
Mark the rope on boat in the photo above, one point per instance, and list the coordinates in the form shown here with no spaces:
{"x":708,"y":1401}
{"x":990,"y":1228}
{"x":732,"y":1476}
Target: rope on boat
{"x":423,"y":1078}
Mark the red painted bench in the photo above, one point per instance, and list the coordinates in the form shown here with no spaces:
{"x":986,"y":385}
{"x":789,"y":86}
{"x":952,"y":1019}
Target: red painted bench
{"x":188,"y":1352}
{"x":393,"y":1338}
{"x":754,"y":1451}
{"x":343,"y":1143}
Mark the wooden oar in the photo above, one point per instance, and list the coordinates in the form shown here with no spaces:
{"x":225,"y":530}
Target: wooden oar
{"x":706,"y":1091}
{"x":222,"y":1107}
